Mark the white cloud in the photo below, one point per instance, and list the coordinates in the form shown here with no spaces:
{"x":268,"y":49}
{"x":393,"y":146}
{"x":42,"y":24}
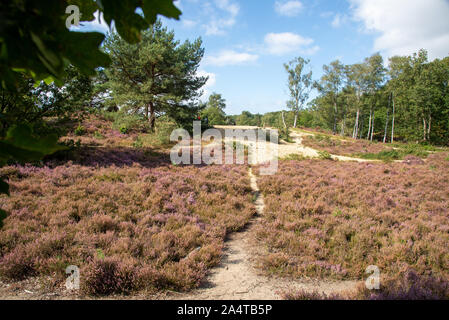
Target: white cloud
{"x":218,"y":25}
{"x":287,"y":42}
{"x":289,"y":8}
{"x":210,"y":82}
{"x":405,"y":26}
{"x":188,"y":23}
{"x":230,"y":58}
{"x":339,"y":20}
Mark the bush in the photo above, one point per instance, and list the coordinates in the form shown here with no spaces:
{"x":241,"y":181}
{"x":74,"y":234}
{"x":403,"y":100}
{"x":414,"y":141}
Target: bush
{"x":17,"y":265}
{"x":80,"y":130}
{"x":324,"y":155}
{"x":294,"y":156}
{"x":108,"y":276}
{"x":123,"y":130}
{"x":98,"y":135}
{"x":161,"y":136}
{"x":127,"y":123}
{"x":386,"y":155}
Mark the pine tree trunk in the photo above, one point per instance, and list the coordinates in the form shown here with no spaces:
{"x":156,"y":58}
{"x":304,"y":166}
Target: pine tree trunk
{"x":152,"y":118}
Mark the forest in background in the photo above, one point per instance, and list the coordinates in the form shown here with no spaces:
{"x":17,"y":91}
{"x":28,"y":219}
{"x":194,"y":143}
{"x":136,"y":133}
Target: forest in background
{"x":407,"y":101}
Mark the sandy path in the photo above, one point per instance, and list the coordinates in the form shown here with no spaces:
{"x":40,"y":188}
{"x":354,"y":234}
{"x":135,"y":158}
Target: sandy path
{"x":237,"y":279}
{"x":312,"y":153}
{"x":297,"y":147}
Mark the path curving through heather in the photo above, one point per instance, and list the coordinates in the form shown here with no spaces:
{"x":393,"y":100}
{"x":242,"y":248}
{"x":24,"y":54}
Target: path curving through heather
{"x":312,"y":153}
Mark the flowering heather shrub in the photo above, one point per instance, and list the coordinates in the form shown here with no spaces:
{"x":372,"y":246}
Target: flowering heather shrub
{"x":304,"y":295}
{"x":139,"y":225}
{"x":328,"y":219}
{"x":407,"y":286}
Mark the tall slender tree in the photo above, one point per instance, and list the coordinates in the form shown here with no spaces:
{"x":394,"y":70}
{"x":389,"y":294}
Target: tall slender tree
{"x":356,"y":76}
{"x":331,"y":83}
{"x":375,"y":79}
{"x":299,"y":84}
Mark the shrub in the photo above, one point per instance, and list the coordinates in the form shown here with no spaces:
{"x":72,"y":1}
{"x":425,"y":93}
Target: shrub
{"x":386,"y":155}
{"x":324,"y":155}
{"x":98,"y":135}
{"x":108,"y":276}
{"x":408,"y":286}
{"x":80,"y":130}
{"x":159,"y":138}
{"x":304,"y":295}
{"x":294,"y":156}
{"x":124,"y":130}
{"x":17,"y":265}
{"x":127,"y":123}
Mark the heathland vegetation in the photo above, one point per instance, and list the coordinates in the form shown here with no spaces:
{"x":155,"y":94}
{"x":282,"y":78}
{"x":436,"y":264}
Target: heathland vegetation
{"x":86,"y":177}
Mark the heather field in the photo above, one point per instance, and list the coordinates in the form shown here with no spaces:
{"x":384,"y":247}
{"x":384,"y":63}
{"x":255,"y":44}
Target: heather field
{"x":136,"y":225}
{"x":122,"y":212}
{"x":331,"y":220}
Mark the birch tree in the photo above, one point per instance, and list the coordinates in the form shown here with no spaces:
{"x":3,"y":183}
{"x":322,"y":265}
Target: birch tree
{"x":331,"y":84}
{"x":299,"y":85}
{"x":356,"y":75}
{"x":375,"y":78}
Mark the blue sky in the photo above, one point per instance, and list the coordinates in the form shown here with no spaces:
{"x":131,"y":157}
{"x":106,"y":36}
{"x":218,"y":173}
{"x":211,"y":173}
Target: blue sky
{"x":247,"y":41}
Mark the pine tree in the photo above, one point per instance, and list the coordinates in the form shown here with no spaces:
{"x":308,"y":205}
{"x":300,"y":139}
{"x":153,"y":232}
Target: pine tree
{"x":156,"y":76}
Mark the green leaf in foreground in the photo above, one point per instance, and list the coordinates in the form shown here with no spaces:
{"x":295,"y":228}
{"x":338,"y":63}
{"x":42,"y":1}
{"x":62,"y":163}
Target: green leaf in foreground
{"x":21,"y":144}
{"x":4,"y":187}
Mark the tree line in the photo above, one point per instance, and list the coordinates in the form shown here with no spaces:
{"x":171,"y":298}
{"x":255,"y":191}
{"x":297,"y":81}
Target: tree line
{"x":408,"y":100}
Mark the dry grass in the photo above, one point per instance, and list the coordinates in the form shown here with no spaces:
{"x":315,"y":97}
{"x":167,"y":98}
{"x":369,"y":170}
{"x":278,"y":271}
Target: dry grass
{"x":326,"y":219}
